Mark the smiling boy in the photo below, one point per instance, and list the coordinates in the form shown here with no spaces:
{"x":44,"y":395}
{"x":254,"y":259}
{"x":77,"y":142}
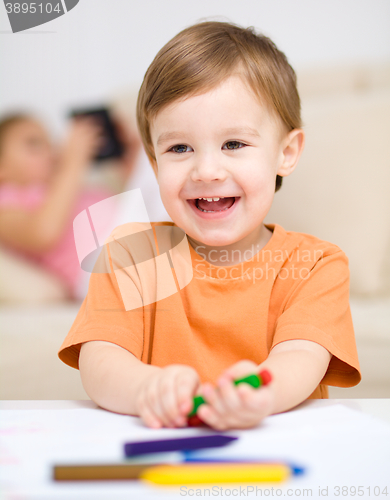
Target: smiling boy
{"x":219,"y":117}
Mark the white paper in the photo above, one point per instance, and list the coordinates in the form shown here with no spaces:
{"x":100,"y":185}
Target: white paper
{"x":336,"y":445}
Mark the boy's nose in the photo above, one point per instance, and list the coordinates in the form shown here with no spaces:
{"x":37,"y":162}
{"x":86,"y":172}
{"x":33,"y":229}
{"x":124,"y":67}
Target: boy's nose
{"x":208,"y":169}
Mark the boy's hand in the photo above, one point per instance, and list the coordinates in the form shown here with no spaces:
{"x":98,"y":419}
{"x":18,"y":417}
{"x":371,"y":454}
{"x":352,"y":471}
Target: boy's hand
{"x":166,"y":397}
{"x":230,"y":406}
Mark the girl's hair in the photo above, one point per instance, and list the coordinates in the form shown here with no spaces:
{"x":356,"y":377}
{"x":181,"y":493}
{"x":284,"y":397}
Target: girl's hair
{"x":8,"y":121}
{"x":200,"y":57}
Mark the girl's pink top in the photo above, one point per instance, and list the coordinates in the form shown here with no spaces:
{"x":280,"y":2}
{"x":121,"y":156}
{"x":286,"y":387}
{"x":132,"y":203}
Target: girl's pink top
{"x":62,"y":260}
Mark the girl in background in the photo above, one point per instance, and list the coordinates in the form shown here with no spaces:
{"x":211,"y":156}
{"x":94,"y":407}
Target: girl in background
{"x":42,"y":189}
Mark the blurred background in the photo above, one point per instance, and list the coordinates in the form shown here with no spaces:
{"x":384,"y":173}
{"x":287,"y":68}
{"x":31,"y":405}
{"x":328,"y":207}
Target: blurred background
{"x":96,"y":56}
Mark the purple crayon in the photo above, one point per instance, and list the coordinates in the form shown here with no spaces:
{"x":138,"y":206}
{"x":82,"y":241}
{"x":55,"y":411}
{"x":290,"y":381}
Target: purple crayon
{"x":177,"y":444}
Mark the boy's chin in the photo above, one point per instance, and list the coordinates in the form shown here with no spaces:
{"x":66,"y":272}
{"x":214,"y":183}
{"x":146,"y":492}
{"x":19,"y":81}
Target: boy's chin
{"x":214,"y":242}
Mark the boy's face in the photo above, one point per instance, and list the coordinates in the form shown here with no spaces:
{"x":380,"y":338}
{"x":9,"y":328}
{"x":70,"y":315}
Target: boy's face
{"x":222,"y":143}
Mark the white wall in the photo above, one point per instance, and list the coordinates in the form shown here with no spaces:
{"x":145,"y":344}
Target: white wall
{"x":102,"y":46}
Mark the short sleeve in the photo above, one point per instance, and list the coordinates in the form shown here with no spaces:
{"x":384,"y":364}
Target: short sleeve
{"x":102,"y":315}
{"x":317,"y":309}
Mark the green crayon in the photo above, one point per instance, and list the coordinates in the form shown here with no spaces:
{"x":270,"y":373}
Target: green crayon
{"x":255,"y":380}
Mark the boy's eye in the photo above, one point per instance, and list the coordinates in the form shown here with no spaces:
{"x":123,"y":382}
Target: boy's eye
{"x":180,"y":148}
{"x":234,"y":144}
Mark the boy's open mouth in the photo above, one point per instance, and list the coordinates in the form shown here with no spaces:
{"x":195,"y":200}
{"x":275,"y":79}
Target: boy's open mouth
{"x":214,"y":204}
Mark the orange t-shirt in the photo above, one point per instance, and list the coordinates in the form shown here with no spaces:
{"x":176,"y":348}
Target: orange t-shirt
{"x":210,"y":317}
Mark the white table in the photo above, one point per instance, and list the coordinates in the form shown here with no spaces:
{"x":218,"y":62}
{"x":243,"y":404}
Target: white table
{"x":375,"y":407}
{"x":342,"y":443}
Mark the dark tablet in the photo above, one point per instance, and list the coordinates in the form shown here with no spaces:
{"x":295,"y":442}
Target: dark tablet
{"x":112,"y":146}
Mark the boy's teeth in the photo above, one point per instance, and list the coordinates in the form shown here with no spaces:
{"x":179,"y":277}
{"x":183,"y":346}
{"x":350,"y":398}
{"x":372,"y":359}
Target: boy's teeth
{"x":215,"y":204}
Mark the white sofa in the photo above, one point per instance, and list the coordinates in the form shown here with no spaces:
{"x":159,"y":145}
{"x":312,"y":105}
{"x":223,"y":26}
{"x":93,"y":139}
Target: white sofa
{"x":340,"y":188}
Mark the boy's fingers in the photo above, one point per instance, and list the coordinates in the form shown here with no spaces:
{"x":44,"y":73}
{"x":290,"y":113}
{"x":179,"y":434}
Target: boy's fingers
{"x":150,"y":419}
{"x":184,"y":398}
{"x":168,"y":398}
{"x":211,"y":417}
{"x":154,"y":403}
{"x":214,"y":399}
{"x":242,"y":420}
{"x":184,"y":390}
{"x":256,"y":401}
{"x":236,"y":414}
{"x":233,"y":407}
{"x":224,"y":421}
{"x":228,"y":392}
{"x":221,"y":414}
{"x":248,"y":393}
{"x":208,"y":392}
{"x":227,"y":399}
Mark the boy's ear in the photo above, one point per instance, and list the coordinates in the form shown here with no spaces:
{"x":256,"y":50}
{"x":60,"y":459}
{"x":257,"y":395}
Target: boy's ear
{"x":293,"y":145}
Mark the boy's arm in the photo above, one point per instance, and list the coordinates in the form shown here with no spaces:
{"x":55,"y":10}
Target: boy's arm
{"x":112,"y":376}
{"x":297,"y":367}
{"x":118,"y":381}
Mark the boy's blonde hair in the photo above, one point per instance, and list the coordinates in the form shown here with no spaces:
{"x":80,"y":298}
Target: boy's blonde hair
{"x":200,"y":57}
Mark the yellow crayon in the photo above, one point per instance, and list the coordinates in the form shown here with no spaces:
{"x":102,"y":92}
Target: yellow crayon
{"x":216,"y":473}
